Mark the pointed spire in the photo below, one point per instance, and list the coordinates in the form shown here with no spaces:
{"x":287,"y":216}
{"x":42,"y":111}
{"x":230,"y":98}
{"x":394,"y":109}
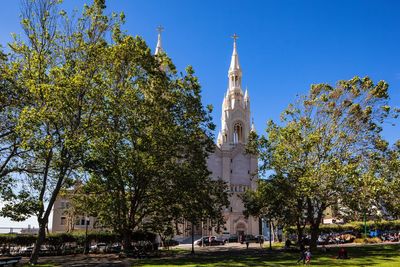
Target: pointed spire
{"x":235,"y":57}
{"x":159,"y":49}
{"x":219,"y":139}
{"x":253,"y":127}
{"x":246,"y":94}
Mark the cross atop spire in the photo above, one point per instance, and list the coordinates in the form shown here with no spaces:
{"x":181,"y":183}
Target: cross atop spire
{"x":160,"y":29}
{"x":235,"y":58}
{"x":235,"y":36}
{"x":159,"y":49}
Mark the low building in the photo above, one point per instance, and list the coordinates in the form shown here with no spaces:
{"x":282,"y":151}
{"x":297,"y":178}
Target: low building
{"x":64,"y":219}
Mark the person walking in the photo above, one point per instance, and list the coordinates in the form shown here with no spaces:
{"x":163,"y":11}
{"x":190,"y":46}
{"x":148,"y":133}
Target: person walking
{"x":302,"y":255}
{"x":308,"y":257}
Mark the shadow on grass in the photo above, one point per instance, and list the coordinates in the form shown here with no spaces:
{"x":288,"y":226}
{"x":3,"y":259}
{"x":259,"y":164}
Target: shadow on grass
{"x":385,"y":255}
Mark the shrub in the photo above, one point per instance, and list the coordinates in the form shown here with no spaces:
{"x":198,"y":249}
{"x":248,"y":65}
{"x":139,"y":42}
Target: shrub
{"x":357,"y":227}
{"x":371,"y":240}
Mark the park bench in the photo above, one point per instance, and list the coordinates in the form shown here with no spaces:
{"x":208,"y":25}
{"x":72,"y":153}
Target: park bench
{"x":11,"y":261}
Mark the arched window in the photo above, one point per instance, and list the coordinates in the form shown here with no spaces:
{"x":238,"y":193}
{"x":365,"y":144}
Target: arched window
{"x":237,"y":133}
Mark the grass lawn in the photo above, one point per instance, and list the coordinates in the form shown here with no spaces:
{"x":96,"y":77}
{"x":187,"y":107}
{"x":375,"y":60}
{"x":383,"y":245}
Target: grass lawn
{"x":382,"y":255}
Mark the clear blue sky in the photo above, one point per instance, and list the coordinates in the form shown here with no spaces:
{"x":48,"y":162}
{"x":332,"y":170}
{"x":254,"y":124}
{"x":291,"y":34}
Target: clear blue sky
{"x":284,"y":45}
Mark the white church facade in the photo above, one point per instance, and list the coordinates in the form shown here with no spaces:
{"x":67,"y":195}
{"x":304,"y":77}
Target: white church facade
{"x":229,"y":162}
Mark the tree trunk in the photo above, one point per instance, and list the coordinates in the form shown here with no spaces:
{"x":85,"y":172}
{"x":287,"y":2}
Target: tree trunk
{"x":127,"y":241}
{"x":273,"y":234}
{"x":39,"y":241}
{"x":314,"y":229}
{"x":299,"y":234}
{"x":193,"y":239}
{"x":270,"y":233}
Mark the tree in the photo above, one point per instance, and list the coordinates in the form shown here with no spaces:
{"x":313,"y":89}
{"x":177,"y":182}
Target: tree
{"x":324,"y":143}
{"x":58,"y":69}
{"x":277,"y":201}
{"x":390,"y":171}
{"x":148,"y":154}
{"x":12,"y":99}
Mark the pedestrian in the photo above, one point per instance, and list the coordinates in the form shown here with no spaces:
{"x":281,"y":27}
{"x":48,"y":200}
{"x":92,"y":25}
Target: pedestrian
{"x":308,"y":257}
{"x":247,"y":244}
{"x":302,"y":255}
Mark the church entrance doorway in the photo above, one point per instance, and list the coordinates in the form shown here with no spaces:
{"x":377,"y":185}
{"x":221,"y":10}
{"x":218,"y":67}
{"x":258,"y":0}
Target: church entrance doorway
{"x":240,"y":231}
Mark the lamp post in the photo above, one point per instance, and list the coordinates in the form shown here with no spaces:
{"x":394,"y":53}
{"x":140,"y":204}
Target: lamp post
{"x":202,"y":228}
{"x":192,"y":238}
{"x":86,"y":251}
{"x":365,"y":224}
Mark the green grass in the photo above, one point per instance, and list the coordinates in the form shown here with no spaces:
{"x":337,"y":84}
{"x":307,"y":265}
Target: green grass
{"x":382,"y":256}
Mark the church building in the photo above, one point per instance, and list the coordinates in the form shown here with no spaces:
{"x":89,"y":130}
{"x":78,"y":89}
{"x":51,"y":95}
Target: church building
{"x":229,"y":162}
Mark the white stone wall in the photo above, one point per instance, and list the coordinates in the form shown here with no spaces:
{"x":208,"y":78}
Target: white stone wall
{"x":237,"y":169}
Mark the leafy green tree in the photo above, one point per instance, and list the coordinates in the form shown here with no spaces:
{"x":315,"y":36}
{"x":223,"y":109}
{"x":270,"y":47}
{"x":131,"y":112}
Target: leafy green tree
{"x":152,"y":141}
{"x":391,"y":188}
{"x":58,"y":69}
{"x":278,"y":202}
{"x":12,"y":99}
{"x":324,"y":142}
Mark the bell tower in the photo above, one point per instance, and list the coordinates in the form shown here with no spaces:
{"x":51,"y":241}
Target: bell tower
{"x":235,"y":119}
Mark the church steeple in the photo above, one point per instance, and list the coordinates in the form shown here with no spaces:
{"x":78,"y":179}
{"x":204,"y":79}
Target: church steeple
{"x":235,"y":72}
{"x":235,"y":66}
{"x":159,"y":47}
{"x":235,"y":120}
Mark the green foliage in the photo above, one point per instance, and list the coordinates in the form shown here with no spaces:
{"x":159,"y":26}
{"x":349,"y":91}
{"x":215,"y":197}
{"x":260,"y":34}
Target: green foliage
{"x":372,"y":240}
{"x":55,"y":77}
{"x":327,"y":152}
{"x":18,"y":240}
{"x":357,"y":227}
{"x":59,"y":239}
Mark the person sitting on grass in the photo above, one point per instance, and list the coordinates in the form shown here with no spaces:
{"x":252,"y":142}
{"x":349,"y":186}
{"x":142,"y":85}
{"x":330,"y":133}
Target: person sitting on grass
{"x":342,"y":254}
{"x":288,"y":243}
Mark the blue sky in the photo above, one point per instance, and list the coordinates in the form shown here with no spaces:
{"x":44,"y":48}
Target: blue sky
{"x":284,"y":46}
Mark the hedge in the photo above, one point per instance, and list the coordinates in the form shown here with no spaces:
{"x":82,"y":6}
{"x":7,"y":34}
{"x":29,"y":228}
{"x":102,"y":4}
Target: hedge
{"x":57,"y":239}
{"x":352,"y":226}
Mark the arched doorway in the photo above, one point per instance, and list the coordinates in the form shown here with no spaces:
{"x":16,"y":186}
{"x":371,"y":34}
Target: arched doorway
{"x":240,"y":230}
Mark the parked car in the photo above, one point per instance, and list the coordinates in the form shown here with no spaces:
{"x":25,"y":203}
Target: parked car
{"x":115,"y":248}
{"x":232,"y":239}
{"x":249,"y":238}
{"x":206,"y":241}
{"x":99,"y":247}
{"x":26,"y":251}
{"x":170,"y":243}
